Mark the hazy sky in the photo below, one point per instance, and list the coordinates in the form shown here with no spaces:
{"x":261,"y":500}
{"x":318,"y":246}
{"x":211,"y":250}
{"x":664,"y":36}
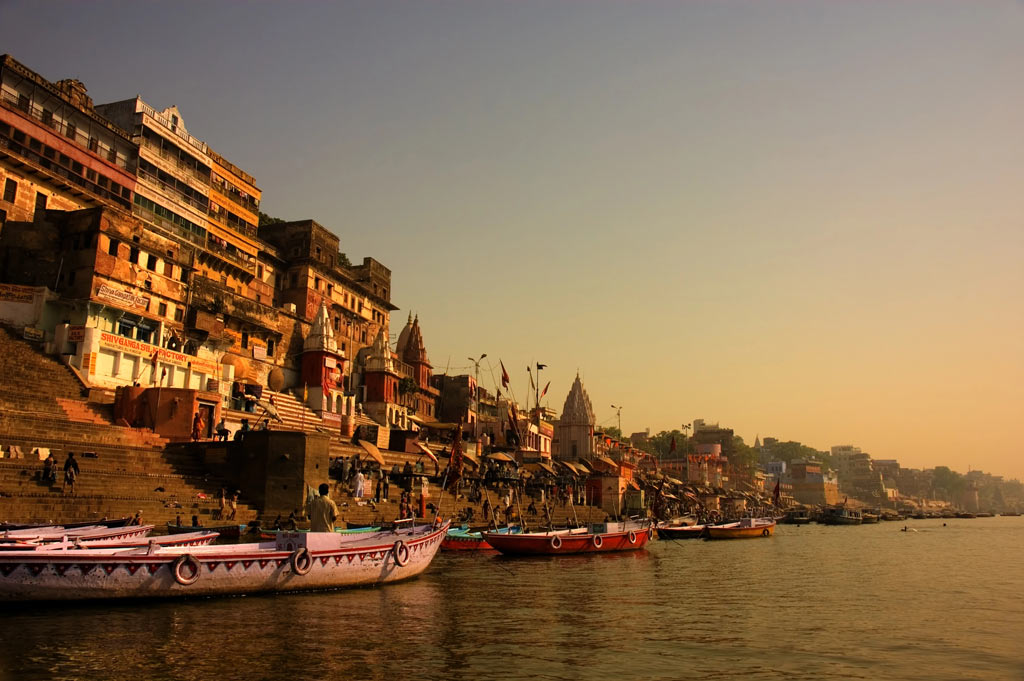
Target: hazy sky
{"x":800,"y":219}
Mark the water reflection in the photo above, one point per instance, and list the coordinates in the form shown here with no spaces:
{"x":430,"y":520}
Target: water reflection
{"x":817,"y":602}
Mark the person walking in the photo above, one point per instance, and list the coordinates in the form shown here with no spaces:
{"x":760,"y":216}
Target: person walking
{"x":71,"y":473}
{"x":322,"y":511}
{"x":360,"y":485}
{"x":197,"y":426}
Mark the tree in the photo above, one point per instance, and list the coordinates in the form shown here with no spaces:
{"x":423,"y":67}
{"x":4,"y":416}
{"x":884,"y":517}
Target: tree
{"x":269,"y":219}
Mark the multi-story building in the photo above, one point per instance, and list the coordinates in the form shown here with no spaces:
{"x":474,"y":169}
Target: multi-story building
{"x":812,"y":485}
{"x":56,"y":151}
{"x":171,"y":268}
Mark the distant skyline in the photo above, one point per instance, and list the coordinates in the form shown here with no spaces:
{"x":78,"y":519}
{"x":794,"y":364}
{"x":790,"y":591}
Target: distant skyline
{"x":802,"y":220}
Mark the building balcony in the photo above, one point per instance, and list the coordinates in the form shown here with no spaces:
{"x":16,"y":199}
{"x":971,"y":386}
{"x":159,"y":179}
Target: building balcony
{"x":175,"y":192}
{"x":56,"y":174}
{"x":191,"y":173}
{"x":26,"y":108}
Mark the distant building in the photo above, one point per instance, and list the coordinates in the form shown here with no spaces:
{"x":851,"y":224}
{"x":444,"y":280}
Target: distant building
{"x":810,"y":484}
{"x":574,"y":431}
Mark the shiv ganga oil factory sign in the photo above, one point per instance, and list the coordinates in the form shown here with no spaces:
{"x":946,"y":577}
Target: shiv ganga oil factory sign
{"x":153,"y":353}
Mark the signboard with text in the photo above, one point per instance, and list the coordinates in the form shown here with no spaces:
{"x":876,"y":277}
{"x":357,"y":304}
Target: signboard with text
{"x":115,"y":342}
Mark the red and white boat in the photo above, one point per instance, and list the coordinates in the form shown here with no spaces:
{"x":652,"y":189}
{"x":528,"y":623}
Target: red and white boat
{"x":746,"y":528}
{"x":630,"y":535}
{"x":293,"y":562}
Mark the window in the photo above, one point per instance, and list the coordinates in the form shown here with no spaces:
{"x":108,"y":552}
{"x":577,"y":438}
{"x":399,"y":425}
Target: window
{"x":162,"y":309}
{"x":133,"y":255}
{"x":70,"y":131}
{"x":317,"y":252}
{"x":94,"y":144}
{"x":178,"y":314}
{"x":125,"y":329}
{"x":10,"y":190}
{"x":316,"y":283}
{"x":151,"y":263}
{"x":259,"y":272}
{"x":270,"y":347}
{"x":40,"y":201}
{"x":168,"y":268}
{"x":245,"y":339}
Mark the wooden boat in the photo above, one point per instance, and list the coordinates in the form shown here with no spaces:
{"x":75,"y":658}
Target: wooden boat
{"x":272,"y":534}
{"x":225,"y":531}
{"x":465,"y":539}
{"x":595,"y":538}
{"x":189,"y":539}
{"x":796,"y":516}
{"x":745,"y":528}
{"x":840,"y":515}
{"x":93,"y":533}
{"x":681,"y":531}
{"x":117,"y":522}
{"x":294,"y":561}
{"x":868,"y":518}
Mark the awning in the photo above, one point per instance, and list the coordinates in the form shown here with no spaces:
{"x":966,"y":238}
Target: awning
{"x":634,"y":485}
{"x":673,"y":481}
{"x":576,"y":471}
{"x":583,"y":468}
{"x":372,"y":450}
{"x":606,"y":461}
{"x":470,"y":458}
{"x":537,"y":467}
{"x":426,"y":450}
{"x":498,"y":456}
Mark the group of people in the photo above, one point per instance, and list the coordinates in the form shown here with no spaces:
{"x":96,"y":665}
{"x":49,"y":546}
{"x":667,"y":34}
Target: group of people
{"x":71,"y":472}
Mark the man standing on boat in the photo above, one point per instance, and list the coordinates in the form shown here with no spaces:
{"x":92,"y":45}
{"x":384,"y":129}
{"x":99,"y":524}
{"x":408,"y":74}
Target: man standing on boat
{"x":322,"y":511}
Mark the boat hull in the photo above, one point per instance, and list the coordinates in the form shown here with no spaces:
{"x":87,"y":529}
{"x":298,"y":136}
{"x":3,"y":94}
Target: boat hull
{"x":568,"y":542}
{"x":741,"y":531}
{"x":682,"y":532}
{"x":219,"y":570}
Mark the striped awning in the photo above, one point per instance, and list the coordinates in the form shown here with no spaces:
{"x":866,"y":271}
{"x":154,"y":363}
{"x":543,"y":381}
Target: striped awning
{"x":372,"y":450}
{"x":606,"y":461}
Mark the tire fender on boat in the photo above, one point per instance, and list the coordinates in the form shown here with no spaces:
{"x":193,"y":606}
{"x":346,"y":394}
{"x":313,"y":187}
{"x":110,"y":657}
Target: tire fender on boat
{"x":301,"y":561}
{"x":765,"y":532}
{"x":185,"y":577}
{"x":597,"y":541}
{"x":400,"y":553}
{"x":632,"y":537}
{"x":556,"y":542}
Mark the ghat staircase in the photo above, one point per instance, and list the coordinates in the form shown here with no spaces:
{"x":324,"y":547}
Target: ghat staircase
{"x":123,"y":470}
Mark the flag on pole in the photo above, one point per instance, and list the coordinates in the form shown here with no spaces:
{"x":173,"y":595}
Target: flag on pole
{"x":532,"y":386}
{"x":504,"y":375}
{"x":455,"y":465}
{"x":775,"y":494}
{"x":545,"y":390}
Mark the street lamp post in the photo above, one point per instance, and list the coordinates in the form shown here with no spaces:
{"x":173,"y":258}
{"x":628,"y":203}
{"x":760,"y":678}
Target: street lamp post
{"x":618,"y":414}
{"x":476,"y":393}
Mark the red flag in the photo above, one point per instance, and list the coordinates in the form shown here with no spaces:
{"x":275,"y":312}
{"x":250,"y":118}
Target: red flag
{"x":455,"y":465}
{"x":545,"y":390}
{"x":504,"y":375}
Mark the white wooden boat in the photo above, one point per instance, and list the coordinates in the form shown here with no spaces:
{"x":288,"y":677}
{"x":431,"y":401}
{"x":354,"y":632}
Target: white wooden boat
{"x":294,"y":561}
{"x":191,"y":539}
{"x":90,"y":533}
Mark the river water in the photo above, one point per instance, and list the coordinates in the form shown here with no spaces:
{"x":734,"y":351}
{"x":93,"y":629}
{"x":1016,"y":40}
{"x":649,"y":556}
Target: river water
{"x":812,"y":602}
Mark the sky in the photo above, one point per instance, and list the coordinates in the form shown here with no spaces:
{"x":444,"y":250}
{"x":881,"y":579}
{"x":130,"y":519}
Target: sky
{"x":802,"y":220}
